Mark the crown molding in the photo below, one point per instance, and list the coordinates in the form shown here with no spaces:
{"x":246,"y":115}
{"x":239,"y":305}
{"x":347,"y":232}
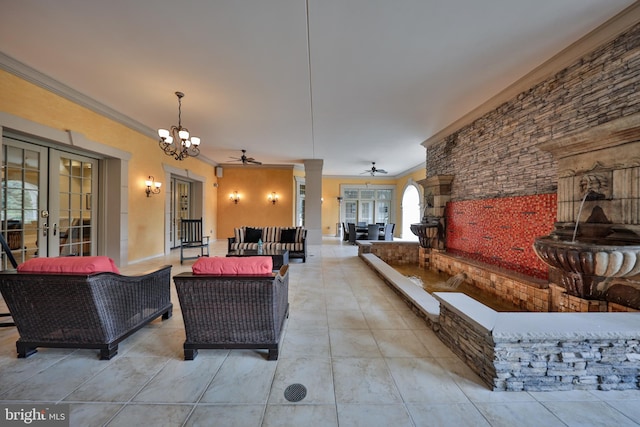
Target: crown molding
{"x":34,"y":76}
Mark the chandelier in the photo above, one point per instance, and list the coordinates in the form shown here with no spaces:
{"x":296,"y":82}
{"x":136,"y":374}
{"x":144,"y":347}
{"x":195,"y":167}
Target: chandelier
{"x":175,"y":141}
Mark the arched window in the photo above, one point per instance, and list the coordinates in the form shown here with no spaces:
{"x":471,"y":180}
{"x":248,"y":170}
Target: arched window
{"x":410,"y":210}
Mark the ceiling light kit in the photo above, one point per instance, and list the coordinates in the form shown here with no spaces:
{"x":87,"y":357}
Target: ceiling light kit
{"x":176,"y":141}
{"x":245,"y":160}
{"x":374,"y":170}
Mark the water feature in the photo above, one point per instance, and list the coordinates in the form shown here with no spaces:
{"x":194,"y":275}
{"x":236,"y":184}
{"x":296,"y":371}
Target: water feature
{"x":584,"y":199}
{"x":432,"y":281}
{"x":598,"y":172}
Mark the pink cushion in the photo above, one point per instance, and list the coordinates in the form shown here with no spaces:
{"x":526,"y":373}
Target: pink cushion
{"x":233,"y":266}
{"x":73,"y":265}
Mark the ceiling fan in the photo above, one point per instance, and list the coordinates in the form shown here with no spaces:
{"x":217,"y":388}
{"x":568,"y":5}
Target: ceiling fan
{"x":374,"y":170}
{"x":244,"y":159}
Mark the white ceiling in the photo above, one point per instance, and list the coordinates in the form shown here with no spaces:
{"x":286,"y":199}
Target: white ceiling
{"x":372,"y":80}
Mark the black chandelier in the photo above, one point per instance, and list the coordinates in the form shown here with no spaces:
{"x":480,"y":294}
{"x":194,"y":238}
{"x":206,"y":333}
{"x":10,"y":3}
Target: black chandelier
{"x":176,"y":142}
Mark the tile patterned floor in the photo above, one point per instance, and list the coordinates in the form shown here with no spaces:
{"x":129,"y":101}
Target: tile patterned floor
{"x":363,"y":356}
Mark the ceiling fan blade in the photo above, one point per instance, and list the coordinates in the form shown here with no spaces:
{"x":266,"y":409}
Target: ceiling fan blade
{"x":381,"y":171}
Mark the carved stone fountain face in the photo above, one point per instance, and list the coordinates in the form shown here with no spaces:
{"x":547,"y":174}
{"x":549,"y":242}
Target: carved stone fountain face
{"x":597,"y":236}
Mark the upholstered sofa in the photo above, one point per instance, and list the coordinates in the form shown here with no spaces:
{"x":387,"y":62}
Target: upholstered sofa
{"x":293,"y":239}
{"x":233,"y":303}
{"x":82,"y":302}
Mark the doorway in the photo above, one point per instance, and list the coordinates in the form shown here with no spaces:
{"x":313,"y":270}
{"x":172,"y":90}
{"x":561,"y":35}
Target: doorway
{"x":47,"y":208}
{"x":410,"y":212}
{"x":181,"y":208}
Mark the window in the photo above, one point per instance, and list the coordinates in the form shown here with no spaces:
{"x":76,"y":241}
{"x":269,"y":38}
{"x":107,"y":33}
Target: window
{"x":368,"y":204}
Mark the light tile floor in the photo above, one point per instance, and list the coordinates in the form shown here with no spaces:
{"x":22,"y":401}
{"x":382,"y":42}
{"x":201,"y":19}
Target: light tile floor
{"x":363,"y":356}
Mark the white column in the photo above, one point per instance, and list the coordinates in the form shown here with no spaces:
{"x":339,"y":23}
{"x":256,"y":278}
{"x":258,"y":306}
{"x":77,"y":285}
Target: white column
{"x":313,"y":201}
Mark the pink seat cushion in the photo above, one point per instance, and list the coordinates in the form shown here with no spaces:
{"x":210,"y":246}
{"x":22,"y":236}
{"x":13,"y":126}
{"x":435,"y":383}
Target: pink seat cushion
{"x":233,"y":266}
{"x":73,"y":265}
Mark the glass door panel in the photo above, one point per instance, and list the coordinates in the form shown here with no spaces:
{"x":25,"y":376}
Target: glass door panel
{"x":382,"y":211}
{"x":24,"y":191}
{"x":350,"y":211}
{"x":72,"y":211}
{"x":180,"y":208}
{"x":365,"y":214}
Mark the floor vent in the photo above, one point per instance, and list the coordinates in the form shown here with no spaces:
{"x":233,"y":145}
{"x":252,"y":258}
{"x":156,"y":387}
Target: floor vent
{"x":295,"y":392}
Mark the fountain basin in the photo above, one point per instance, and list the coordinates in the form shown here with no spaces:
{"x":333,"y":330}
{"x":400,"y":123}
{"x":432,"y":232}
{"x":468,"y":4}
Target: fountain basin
{"x":429,"y":232}
{"x":586,"y":264}
{"x":613,"y":259}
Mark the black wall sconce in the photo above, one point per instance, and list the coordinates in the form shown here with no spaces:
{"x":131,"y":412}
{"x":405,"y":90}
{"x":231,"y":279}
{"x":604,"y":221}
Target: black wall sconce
{"x":273,"y":197}
{"x":235,"y":197}
{"x":153,"y":187}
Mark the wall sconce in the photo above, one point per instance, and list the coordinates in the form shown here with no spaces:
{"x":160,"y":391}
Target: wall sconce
{"x":235,"y":197}
{"x":153,"y":187}
{"x":273,"y":197}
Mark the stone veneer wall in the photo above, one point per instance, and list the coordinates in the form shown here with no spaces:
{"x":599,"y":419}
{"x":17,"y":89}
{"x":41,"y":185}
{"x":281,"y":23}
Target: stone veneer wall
{"x":497,"y":156}
{"x":529,"y":352}
{"x":399,"y":253}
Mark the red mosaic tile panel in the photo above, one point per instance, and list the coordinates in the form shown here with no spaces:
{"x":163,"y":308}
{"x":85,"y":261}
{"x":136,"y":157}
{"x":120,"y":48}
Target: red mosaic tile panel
{"x":501,"y":231}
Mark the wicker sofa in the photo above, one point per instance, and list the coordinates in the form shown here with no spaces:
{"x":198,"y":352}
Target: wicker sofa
{"x":95,"y":310}
{"x":233,"y":311}
{"x":293,"y":239}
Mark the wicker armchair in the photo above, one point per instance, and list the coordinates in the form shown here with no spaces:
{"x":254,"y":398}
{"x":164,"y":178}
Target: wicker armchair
{"x":83,"y":310}
{"x":233,"y":312}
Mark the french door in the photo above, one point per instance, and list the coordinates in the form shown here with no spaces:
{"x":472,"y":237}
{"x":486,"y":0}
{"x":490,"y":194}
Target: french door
{"x":180,"y":208}
{"x":47,"y":206}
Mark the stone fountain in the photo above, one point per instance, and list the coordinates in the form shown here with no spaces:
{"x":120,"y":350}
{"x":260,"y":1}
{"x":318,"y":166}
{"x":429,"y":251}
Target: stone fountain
{"x":596,"y":241}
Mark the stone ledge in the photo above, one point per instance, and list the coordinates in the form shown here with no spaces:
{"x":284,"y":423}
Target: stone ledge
{"x":560,"y":326}
{"x":415,"y":295}
{"x":469,"y":309}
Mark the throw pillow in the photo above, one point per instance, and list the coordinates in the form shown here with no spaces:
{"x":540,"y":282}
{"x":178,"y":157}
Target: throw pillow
{"x":73,"y":265}
{"x":252,"y":235}
{"x":231,"y":266}
{"x":288,"y":235}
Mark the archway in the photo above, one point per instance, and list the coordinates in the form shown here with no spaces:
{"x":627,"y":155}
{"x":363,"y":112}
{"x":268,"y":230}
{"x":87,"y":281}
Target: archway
{"x":410,"y":211}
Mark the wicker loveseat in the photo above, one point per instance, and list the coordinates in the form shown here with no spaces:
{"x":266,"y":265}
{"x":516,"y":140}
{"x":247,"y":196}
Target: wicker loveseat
{"x":96,"y":310}
{"x":233,"y":311}
{"x":293,"y":239}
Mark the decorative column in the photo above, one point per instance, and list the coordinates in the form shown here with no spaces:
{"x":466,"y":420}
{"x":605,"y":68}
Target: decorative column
{"x":313,"y":200}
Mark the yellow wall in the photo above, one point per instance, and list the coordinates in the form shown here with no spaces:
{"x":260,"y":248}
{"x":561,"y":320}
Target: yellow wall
{"x":146,"y":216}
{"x":254,"y":184}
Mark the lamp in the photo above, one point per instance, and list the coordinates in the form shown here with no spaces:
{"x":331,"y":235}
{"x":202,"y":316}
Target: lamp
{"x":153,"y":187}
{"x":235,"y":197}
{"x":175,"y":141}
{"x":273,"y":197}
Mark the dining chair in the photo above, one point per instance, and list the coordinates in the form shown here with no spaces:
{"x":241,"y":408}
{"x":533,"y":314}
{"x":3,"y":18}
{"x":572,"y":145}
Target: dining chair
{"x":372,"y":231}
{"x":352,"y":233}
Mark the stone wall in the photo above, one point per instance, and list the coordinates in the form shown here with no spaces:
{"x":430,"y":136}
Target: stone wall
{"x":497,"y":155}
{"x":398,"y":253}
{"x":538,"y":351}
